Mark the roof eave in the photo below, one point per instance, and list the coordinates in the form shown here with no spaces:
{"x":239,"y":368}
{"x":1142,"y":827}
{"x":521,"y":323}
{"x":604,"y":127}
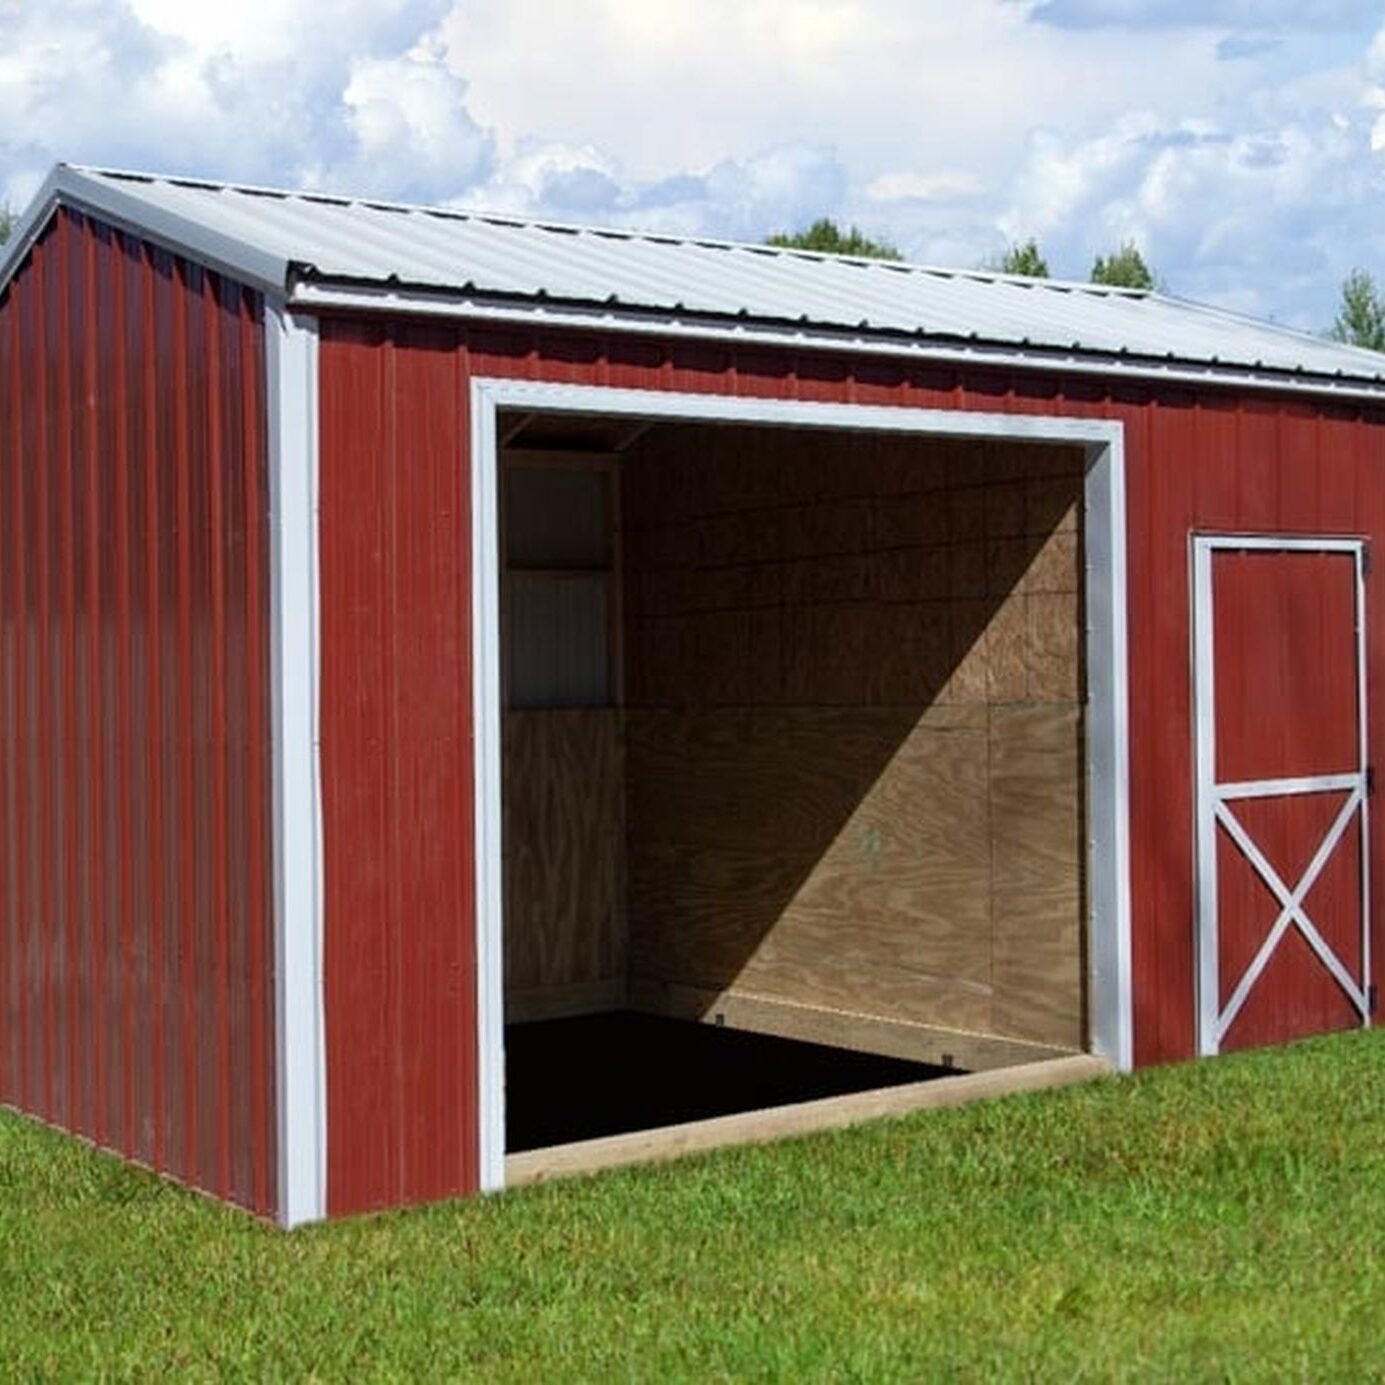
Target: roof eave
{"x":69,"y":187}
{"x":30,"y":225}
{"x":313,"y":293}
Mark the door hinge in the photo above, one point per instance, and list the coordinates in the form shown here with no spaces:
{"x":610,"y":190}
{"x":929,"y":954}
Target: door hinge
{"x":1370,"y":781}
{"x":1372,"y":999}
{"x":1365,"y":560}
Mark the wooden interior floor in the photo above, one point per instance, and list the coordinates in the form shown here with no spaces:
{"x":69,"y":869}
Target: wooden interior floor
{"x":597,"y":1075}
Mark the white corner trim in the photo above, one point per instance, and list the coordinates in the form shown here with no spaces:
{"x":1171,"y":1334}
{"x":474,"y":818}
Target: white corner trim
{"x":292,"y":399}
{"x":488,"y":773}
{"x":1108,"y":752}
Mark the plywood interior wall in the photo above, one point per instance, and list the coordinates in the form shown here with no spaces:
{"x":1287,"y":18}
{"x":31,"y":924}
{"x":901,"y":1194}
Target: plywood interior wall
{"x":847,"y":771}
{"x":564,"y":866}
{"x":853,"y":725}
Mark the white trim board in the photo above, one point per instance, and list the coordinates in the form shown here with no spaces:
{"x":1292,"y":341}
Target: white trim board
{"x":291,"y":356}
{"x":1109,"y":974}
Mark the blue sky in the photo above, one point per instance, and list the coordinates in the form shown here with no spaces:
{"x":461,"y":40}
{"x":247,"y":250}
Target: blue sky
{"x":1241,"y":143}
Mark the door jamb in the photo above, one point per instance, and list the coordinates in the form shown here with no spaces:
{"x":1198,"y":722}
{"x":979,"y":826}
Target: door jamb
{"x":1109,"y":1001}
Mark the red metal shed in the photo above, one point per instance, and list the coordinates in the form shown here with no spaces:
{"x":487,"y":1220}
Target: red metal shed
{"x":421,"y":630}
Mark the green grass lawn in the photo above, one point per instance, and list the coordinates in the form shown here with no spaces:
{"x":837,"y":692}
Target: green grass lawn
{"x":1221,"y":1220}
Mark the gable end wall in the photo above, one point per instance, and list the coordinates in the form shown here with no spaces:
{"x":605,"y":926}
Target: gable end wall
{"x":136,"y":996}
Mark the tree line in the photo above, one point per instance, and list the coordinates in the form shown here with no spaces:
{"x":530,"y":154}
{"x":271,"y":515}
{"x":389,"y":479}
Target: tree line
{"x":1124,"y":268}
{"x":1360,"y":319}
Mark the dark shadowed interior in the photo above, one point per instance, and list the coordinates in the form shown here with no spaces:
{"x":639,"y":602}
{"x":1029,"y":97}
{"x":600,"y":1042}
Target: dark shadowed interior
{"x":606,"y":1074}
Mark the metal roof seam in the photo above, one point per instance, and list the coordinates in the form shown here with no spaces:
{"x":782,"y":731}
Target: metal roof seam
{"x":631,"y":233}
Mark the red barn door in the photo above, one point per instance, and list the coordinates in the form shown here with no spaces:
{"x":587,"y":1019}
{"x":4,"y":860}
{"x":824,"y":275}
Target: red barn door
{"x":1282,"y":781}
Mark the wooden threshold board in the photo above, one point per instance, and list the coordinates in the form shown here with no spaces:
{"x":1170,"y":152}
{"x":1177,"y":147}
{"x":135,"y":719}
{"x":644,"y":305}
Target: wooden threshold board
{"x":781,"y":1122}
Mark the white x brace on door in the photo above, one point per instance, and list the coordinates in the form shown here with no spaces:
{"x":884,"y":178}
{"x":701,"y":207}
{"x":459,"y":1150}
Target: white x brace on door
{"x":1281,"y":754}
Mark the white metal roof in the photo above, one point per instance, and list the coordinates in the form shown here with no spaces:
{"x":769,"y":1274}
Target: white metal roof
{"x":315,"y":250}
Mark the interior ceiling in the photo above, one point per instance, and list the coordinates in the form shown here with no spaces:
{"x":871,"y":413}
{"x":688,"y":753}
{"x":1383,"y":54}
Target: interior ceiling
{"x":571,"y":432}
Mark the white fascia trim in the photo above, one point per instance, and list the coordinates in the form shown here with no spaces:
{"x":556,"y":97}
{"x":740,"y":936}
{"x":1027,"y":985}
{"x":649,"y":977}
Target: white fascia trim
{"x":30,"y":225}
{"x":1111,"y":1013}
{"x":291,"y":355}
{"x":381,"y":299}
{"x":69,"y":187}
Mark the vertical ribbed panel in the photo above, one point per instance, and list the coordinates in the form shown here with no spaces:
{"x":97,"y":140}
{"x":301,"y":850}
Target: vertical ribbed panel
{"x":397,"y":783}
{"x":135,"y":927}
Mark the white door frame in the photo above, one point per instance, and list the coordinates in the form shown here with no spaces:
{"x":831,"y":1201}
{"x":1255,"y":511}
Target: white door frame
{"x":1214,"y":800}
{"x":1108,"y":852}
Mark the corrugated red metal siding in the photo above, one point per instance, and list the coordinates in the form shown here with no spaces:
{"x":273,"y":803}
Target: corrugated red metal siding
{"x":396,"y":698}
{"x":135,"y":916}
{"x":396,"y":732}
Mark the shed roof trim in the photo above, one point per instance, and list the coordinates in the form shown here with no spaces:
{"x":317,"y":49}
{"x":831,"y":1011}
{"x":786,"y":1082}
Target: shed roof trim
{"x":302,"y":244}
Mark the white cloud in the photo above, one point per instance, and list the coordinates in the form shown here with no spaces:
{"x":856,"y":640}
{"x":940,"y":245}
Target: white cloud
{"x":1211,"y":14}
{"x":776,"y":188}
{"x":1240,"y":141}
{"x":1263,"y":219}
{"x":270,"y":90}
{"x":317,"y":32}
{"x":941,"y":186}
{"x":410,"y":131}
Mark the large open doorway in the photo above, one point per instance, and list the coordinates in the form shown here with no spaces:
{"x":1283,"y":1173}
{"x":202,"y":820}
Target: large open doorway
{"x":794,"y":759}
